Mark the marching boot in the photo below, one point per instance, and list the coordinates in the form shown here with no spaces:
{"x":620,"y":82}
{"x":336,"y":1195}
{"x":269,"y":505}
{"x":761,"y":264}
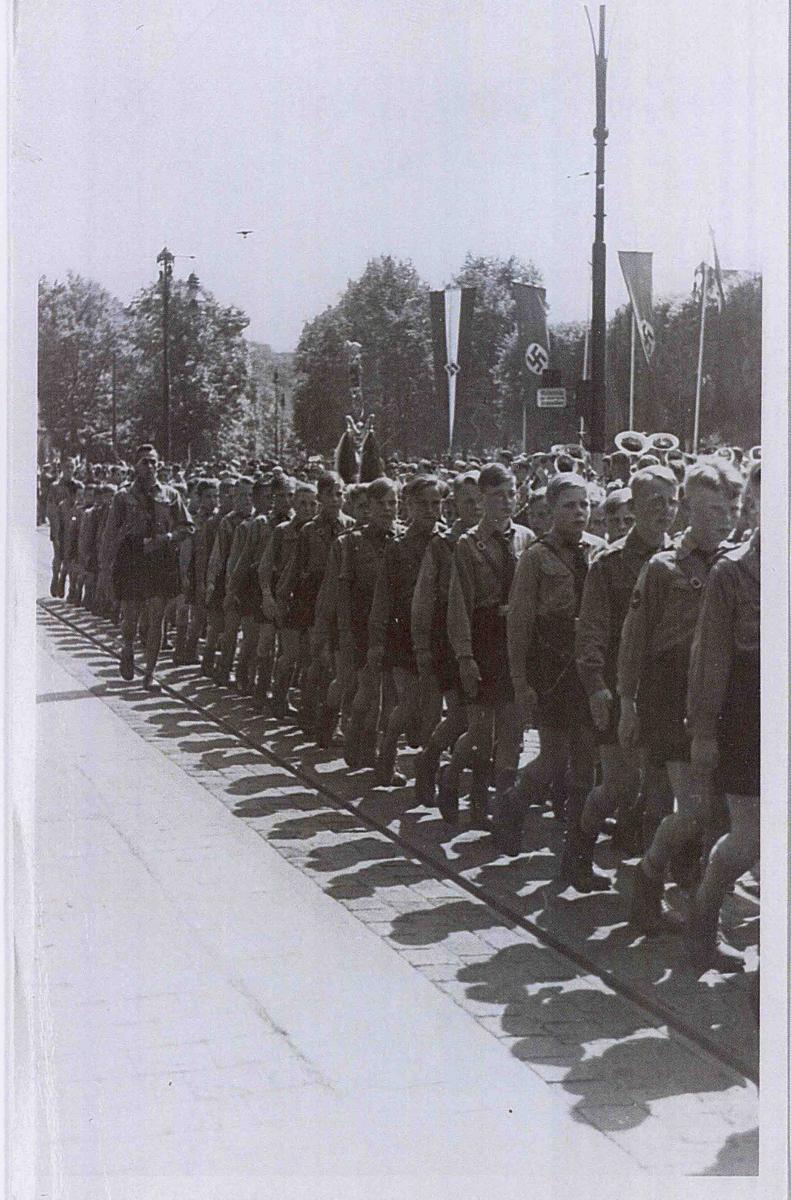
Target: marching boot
{"x":647,"y":912}
{"x":586,"y":877}
{"x":386,"y":774}
{"x":242,"y":679}
{"x":448,"y":797}
{"x":179,"y":650}
{"x":479,"y":801}
{"x":259,"y":687}
{"x":426,"y":765}
{"x":127,"y":663}
{"x":207,"y":664}
{"x":54,"y":586}
{"x":368,"y":748}
{"x":508,"y":815}
{"x":222,"y":673}
{"x":702,"y":946}
{"x":326,"y":723}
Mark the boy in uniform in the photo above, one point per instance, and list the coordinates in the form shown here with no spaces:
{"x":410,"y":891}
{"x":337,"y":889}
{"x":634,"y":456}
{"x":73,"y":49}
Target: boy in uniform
{"x":389,"y":632}
{"x":145,"y":525}
{"x":605,"y":602}
{"x":652,"y":677}
{"x":361,"y":558}
{"x":484,"y":563}
{"x":724,"y":722}
{"x":193,"y":562}
{"x":277,"y":551}
{"x":218,"y":568}
{"x":57,"y":492}
{"x":299,"y":585}
{"x":438,"y":677}
{"x":542,"y":612}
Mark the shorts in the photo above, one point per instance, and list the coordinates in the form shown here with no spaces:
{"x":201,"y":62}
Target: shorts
{"x":738,"y":772}
{"x":398,"y":649}
{"x":490,"y":651}
{"x":661,"y":706}
{"x":552,"y":672}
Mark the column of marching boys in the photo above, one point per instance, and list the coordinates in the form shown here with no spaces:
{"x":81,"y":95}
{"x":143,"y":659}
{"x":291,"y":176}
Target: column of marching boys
{"x":420,"y":613}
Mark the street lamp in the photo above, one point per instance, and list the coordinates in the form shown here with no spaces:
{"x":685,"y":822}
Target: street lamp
{"x":165,"y":263}
{"x":165,"y":260}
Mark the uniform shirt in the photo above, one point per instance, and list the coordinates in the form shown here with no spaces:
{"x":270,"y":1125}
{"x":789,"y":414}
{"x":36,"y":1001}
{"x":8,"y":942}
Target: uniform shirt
{"x":481,"y":577}
{"x":605,"y":602}
{"x":217,"y":569}
{"x":309,"y":560}
{"x":729,"y":624}
{"x":395,"y":585}
{"x":86,"y":543}
{"x":361,"y":556}
{"x":247,"y":548}
{"x":663,"y":610}
{"x":277,"y":554}
{"x":137,"y":514}
{"x":71,"y":533}
{"x":202,"y":543}
{"x":430,"y":597}
{"x":548,"y":582}
{"x":326,"y":611}
{"x":58,"y":491}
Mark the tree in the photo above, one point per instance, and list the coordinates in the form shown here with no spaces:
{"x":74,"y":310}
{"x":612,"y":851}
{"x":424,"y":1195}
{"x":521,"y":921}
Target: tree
{"x":492,"y":415}
{"x":80,"y":328}
{"x":665,"y":396}
{"x":386,"y":310}
{"x":209,"y":377}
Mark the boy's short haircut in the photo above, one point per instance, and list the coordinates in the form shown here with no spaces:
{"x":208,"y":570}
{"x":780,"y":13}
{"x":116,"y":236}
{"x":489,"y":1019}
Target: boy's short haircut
{"x":616,"y":498}
{"x":539,"y":493}
{"x":304,"y":488}
{"x":247,"y":480}
{"x":327,"y":481}
{"x":494,"y":475}
{"x":648,"y":475}
{"x":203,"y":485}
{"x":561,"y":483}
{"x":715,"y":474}
{"x":281,"y":485}
{"x":377,"y":489}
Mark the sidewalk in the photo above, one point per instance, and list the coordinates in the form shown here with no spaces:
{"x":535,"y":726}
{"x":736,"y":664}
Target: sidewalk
{"x":208,"y":1022}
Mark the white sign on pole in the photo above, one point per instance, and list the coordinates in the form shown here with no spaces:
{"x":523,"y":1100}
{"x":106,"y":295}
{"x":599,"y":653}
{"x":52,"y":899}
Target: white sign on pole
{"x":551,"y":397}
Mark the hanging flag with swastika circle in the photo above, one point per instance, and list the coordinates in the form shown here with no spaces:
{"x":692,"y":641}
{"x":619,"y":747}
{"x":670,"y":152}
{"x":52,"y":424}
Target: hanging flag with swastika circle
{"x":648,"y":338}
{"x":637,"y":274}
{"x":536,"y":358}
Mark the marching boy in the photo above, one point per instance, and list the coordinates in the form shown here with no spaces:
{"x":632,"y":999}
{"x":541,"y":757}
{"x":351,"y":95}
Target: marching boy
{"x":653,"y":665}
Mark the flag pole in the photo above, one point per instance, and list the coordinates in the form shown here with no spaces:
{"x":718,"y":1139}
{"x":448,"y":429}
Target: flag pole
{"x":631,"y":371}
{"x":699,"y":382}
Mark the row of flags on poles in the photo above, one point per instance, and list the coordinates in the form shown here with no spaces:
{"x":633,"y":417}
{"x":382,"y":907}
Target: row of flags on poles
{"x":452,"y":312}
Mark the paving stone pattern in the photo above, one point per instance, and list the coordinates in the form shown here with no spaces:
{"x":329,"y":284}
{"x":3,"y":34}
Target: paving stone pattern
{"x":655,"y":1093}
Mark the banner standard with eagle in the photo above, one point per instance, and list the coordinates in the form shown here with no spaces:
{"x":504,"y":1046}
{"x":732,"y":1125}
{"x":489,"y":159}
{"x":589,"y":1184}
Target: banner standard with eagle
{"x":451,"y":329}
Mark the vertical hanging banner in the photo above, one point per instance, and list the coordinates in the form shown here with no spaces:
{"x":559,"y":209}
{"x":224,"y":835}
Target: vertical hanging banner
{"x":451,"y":330}
{"x":531,"y":324}
{"x":532,"y":342}
{"x":637,"y":272}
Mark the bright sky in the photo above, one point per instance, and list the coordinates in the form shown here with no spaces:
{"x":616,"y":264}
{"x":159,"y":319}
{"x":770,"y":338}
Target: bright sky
{"x":338,"y":130}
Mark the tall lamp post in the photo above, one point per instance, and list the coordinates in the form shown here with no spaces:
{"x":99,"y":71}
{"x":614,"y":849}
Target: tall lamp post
{"x":276,"y":381}
{"x":599,"y":272}
{"x":165,"y":263}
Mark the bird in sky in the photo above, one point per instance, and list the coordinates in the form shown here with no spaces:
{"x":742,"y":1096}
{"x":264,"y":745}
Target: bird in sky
{"x":245,"y":232}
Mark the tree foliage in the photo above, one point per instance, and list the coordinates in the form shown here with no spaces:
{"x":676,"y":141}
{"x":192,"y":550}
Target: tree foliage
{"x":209,"y":377}
{"x":80,"y":327}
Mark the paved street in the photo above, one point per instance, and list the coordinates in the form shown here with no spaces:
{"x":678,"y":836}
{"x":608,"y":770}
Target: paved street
{"x":237,"y":980}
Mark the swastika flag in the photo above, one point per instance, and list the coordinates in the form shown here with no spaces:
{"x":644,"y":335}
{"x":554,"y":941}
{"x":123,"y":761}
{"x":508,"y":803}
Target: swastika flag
{"x":637,"y":272}
{"x":451,"y":329}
